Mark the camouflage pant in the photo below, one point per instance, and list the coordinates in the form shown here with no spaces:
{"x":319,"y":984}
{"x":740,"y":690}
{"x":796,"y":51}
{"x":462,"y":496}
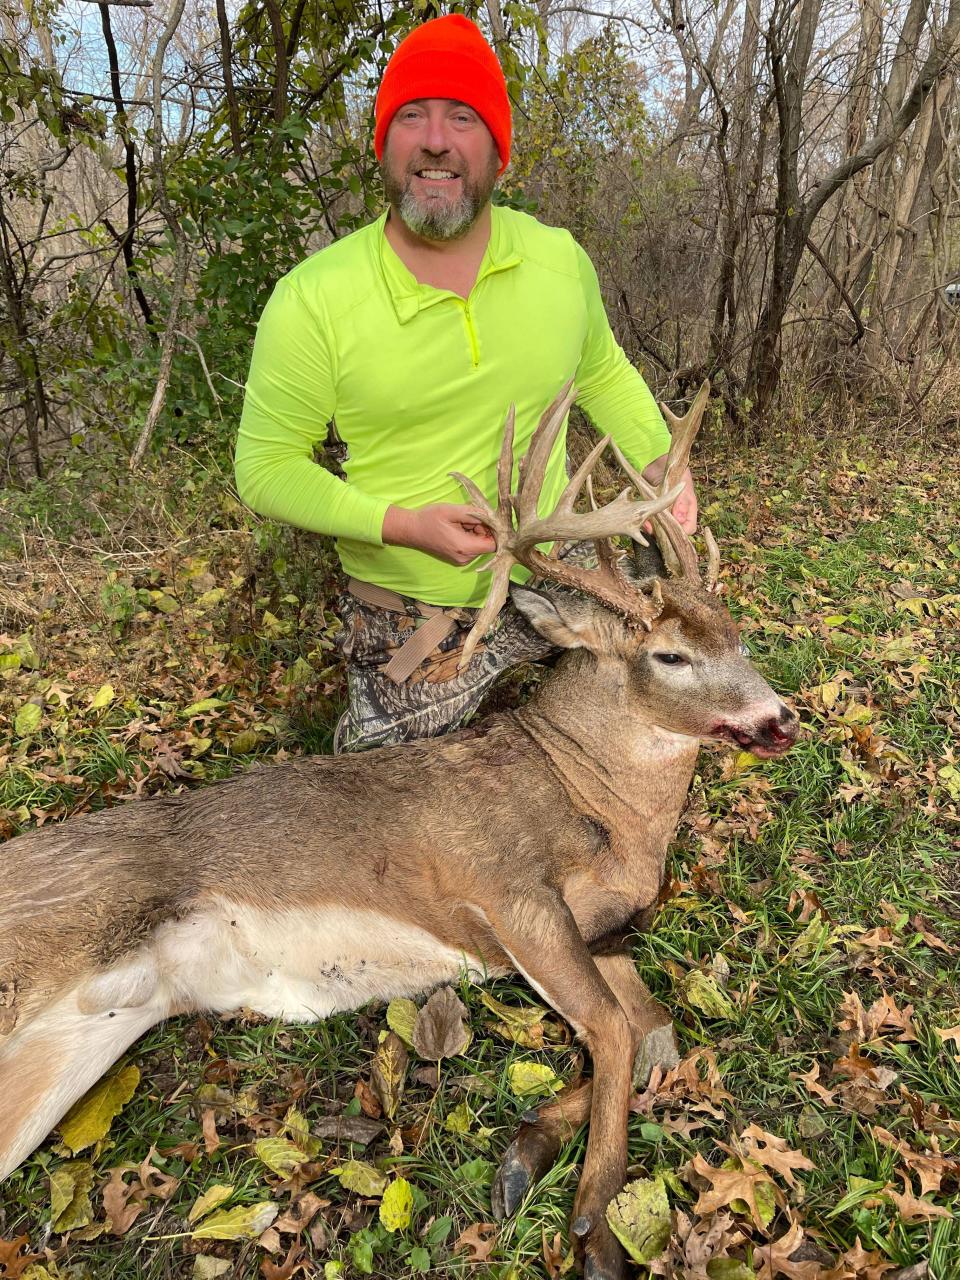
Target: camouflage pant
{"x":436,"y":698}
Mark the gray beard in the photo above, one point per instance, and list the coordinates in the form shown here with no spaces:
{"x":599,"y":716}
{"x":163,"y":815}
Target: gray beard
{"x":439,"y":219}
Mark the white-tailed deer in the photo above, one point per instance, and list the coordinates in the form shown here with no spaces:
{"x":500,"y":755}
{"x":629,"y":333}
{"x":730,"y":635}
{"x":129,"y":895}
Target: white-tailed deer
{"x":523,"y":844}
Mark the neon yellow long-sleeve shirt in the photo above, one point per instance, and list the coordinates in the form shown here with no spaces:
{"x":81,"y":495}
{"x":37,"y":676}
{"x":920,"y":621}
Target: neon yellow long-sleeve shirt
{"x":419,"y":381}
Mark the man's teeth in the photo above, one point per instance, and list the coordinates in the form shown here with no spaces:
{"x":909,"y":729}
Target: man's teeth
{"x":436,"y":173}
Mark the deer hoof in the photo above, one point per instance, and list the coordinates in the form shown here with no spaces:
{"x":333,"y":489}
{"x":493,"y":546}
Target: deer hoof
{"x":658,"y":1048}
{"x":528,"y":1157}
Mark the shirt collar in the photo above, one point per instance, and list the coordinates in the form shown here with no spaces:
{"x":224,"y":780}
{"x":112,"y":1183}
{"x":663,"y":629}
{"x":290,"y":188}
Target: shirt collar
{"x":409,"y":297}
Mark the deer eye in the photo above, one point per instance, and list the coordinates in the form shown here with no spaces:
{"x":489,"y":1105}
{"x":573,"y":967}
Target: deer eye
{"x":670,"y":659}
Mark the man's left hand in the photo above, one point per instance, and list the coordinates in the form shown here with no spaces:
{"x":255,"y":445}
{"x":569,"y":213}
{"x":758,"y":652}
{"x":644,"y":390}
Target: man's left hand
{"x":685,"y":508}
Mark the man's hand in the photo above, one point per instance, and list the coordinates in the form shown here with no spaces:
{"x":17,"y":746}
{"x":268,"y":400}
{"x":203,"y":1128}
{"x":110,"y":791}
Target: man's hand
{"x":685,"y":508}
{"x":447,"y":530}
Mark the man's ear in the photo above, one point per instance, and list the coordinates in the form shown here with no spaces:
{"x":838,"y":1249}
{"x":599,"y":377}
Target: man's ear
{"x":565,"y":621}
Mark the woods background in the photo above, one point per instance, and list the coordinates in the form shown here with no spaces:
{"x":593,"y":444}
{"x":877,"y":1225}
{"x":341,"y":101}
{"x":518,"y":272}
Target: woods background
{"x":769,"y":191}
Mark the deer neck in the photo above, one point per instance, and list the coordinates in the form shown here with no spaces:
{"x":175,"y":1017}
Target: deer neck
{"x":616,"y":764}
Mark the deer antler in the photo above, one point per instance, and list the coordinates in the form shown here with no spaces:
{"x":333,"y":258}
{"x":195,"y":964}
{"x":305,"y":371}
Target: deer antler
{"x":517,"y":543}
{"x":676,"y":547}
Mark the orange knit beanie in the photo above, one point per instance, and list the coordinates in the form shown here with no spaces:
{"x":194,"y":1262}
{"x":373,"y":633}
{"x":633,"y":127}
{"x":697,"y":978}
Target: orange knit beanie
{"x":446,"y":58}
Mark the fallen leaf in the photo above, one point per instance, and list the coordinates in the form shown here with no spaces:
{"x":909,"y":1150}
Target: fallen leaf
{"x":912,"y":1209}
{"x":728,"y":1186}
{"x":212,"y":1197}
{"x":522,"y":1025}
{"x":208,"y":1268}
{"x":362,"y":1178}
{"x":280,"y":1155}
{"x":702,"y":991}
{"x":15,"y":1257}
{"x":300,"y":1213}
{"x":396,"y":1207}
{"x":388,"y":1073}
{"x":775,"y":1258}
{"x":211,"y":1139}
{"x":90,"y":1118}
{"x":70,"y":1205}
{"x":440,"y":1030}
{"x":245,"y":1222}
{"x":773,"y":1152}
{"x":810,"y":1080}
{"x":359,"y":1129}
{"x":530,"y":1079}
{"x":480,"y":1239}
{"x":401,"y":1017}
{"x":292,"y":1263}
{"x":640,"y":1218}
{"x":948,"y":1033}
{"x":857,"y":1264}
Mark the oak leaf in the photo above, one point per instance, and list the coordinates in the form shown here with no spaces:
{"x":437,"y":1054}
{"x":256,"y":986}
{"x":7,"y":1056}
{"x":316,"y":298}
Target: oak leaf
{"x":730,"y":1185}
{"x":775,"y":1258}
{"x":857,"y":1264}
{"x":480,"y":1239}
{"x":15,"y":1257}
{"x":912,"y":1209}
{"x":774,"y":1152}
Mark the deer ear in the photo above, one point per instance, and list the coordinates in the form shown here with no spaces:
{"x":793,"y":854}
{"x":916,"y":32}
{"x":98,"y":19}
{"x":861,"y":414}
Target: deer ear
{"x":567,"y":622}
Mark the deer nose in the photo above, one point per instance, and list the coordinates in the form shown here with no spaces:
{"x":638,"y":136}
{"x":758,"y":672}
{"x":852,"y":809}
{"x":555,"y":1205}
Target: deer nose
{"x":780,"y":730}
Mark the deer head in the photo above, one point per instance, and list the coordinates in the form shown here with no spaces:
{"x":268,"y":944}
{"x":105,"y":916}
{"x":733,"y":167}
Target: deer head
{"x":664,"y":644}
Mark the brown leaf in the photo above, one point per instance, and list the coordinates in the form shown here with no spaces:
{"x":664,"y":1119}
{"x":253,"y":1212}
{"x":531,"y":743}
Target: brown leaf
{"x":440,"y":1030}
{"x":369,"y":1102}
{"x":857,"y":1264}
{"x":211,"y":1139}
{"x":775,"y":1258}
{"x":929,"y":937}
{"x":552,"y":1253}
{"x":300,"y":1213}
{"x":767,"y":1149}
{"x":289,"y":1267}
{"x":911,"y":1209}
{"x":810,"y":1080}
{"x":727,"y":1185}
{"x":13,"y":1260}
{"x":948,"y":1033}
{"x":480,"y":1239}
{"x":868,"y":1024}
{"x":359,"y":1129}
{"x":124,"y":1202}
{"x":930,"y":1167}
{"x":388,"y":1073}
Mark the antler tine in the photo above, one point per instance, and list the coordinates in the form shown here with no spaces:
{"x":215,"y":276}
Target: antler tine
{"x":713,"y":559}
{"x":534,"y":465}
{"x":679,"y":554}
{"x":683,"y":431}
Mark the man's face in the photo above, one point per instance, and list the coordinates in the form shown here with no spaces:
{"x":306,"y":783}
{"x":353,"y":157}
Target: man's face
{"x":439,"y":167}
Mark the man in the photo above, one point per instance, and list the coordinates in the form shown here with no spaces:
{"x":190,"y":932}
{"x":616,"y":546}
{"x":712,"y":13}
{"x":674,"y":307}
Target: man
{"x":416,"y":333}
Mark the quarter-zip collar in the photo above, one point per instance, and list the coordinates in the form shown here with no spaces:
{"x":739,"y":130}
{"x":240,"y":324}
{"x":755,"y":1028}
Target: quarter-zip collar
{"x":409,"y":296}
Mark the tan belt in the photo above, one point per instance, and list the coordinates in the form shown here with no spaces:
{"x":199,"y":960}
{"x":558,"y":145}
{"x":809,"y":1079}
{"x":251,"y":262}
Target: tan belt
{"x":425,"y":638}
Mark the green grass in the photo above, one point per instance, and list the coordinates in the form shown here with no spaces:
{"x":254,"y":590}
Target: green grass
{"x":855,"y":829}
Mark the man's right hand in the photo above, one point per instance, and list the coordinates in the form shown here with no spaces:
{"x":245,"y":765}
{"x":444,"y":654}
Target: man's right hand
{"x":450,"y":531}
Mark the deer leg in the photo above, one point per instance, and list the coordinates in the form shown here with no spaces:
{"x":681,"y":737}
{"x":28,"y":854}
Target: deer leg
{"x":544,"y":1130}
{"x":543,"y":941}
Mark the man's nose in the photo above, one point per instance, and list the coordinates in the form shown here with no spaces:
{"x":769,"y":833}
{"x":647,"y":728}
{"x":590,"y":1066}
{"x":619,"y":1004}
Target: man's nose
{"x":435,"y":138}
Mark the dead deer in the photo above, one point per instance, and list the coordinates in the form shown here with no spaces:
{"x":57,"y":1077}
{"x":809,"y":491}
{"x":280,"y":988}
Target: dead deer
{"x":523,"y":844}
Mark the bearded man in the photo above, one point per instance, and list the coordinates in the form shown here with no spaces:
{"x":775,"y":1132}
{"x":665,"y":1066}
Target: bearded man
{"x":414,"y":335}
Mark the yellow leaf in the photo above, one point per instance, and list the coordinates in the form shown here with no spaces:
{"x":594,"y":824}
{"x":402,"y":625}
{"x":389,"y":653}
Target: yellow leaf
{"x":529,"y":1078}
{"x":246,"y":1222}
{"x":209,"y":1200}
{"x":90,"y":1119}
{"x":103,"y":697}
{"x":280,"y":1155}
{"x":28,"y":719}
{"x":397,"y":1205}
{"x":363,"y":1178}
{"x":70,"y":1205}
{"x":401,"y":1015}
{"x":828,"y":693}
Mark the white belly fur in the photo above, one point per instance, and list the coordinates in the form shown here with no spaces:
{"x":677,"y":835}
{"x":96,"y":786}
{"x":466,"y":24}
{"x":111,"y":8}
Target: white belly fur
{"x":300,"y":965}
